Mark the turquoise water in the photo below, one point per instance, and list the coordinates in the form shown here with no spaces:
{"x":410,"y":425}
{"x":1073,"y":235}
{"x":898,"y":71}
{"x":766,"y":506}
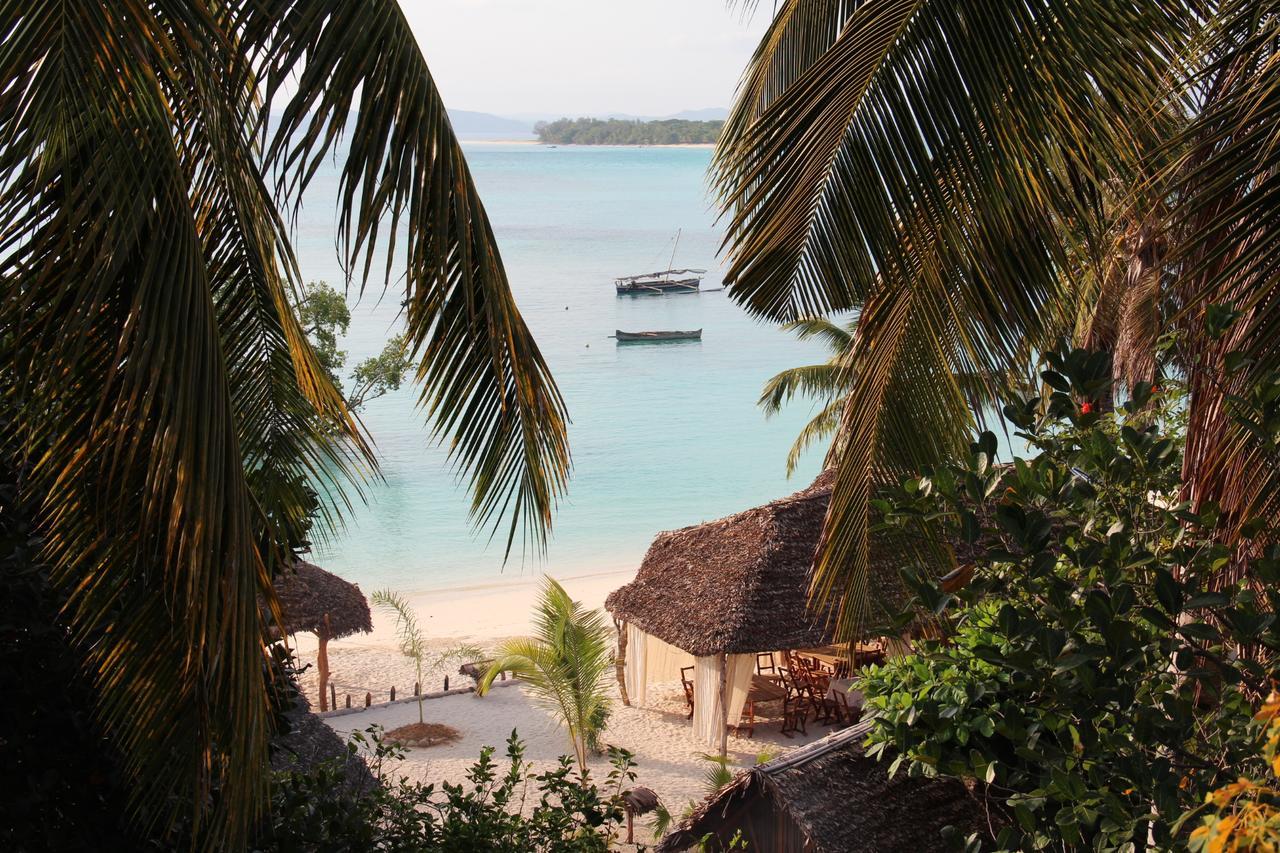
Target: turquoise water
{"x":662,"y":435}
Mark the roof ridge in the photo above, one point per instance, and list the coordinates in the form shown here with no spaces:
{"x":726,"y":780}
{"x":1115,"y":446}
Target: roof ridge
{"x":808,"y":493}
{"x":816,"y":749}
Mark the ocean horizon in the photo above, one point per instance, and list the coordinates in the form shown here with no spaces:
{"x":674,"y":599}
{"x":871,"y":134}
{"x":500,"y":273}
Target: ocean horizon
{"x":662,"y":435}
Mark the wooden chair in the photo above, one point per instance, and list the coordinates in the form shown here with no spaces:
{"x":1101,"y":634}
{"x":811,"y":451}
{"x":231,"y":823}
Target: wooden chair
{"x":795,"y":705}
{"x":765,"y":664}
{"x":849,"y":714}
{"x":824,"y":707}
{"x":686,"y":681}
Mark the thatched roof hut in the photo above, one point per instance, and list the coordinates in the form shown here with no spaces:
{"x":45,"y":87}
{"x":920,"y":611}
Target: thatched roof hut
{"x":736,"y":585}
{"x":829,"y":797}
{"x":309,"y":593}
{"x":741,"y":584}
{"x":317,"y":602}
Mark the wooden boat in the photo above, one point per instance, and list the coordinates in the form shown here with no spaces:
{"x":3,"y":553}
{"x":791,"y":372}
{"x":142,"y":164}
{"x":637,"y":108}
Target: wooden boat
{"x":662,"y":281}
{"x":695,"y":335}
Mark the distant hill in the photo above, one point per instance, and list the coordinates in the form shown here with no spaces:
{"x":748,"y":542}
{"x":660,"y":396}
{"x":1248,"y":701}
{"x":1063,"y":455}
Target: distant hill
{"x":468,"y":124}
{"x":594,"y":131}
{"x":706,"y":114}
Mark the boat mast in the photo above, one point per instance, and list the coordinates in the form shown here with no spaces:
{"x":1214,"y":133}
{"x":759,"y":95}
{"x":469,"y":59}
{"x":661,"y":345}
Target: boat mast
{"x":671,"y":262}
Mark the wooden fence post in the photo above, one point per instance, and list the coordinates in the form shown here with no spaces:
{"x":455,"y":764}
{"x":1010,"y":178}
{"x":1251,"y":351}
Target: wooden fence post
{"x":333,"y":696}
{"x":368,"y":699}
{"x":417,"y":689}
{"x":446,"y":683}
{"x":393,"y":693}
{"x":348,"y":700}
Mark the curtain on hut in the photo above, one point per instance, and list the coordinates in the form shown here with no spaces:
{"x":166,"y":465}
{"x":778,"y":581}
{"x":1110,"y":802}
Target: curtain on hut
{"x":707,"y":714}
{"x":665,"y":661}
{"x":635,"y":673}
{"x":650,"y":661}
{"x":741,"y":668}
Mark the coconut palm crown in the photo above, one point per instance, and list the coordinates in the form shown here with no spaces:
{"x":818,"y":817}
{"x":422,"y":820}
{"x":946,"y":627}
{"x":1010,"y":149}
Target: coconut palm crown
{"x":983,"y":180}
{"x":566,"y":664}
{"x":168,"y":414}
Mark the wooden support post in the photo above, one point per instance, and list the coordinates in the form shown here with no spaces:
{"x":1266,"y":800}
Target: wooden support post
{"x":368,"y":699}
{"x":322,"y":662}
{"x":348,"y":700}
{"x":417,"y":689}
{"x":333,"y":696}
{"x":620,"y":664}
{"x":393,"y":693}
{"x":446,"y":682}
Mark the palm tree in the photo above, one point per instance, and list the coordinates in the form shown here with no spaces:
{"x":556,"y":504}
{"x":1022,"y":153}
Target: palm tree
{"x":828,"y":382}
{"x":168,"y":412}
{"x":566,"y":664}
{"x":985,"y":179}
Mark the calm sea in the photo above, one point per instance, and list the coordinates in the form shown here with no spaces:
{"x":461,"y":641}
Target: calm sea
{"x":662,"y":435}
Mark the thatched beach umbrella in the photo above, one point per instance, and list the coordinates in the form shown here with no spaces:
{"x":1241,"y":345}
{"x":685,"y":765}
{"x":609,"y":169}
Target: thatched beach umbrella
{"x":321,"y":603}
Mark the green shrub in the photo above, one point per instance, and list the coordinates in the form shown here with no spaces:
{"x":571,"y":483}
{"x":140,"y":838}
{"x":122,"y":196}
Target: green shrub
{"x":1088,"y":667}
{"x":314,"y":810}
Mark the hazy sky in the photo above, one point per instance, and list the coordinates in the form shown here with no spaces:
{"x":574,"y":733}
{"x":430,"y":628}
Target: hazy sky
{"x":571,"y":57}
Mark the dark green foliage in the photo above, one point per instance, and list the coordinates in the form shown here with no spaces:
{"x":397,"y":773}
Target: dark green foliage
{"x":1089,"y":667}
{"x":594,"y":131}
{"x":312,"y":811}
{"x":63,"y":789}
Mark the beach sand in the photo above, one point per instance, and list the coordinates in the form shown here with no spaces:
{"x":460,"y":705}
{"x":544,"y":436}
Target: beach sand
{"x":667,"y":757}
{"x":476,"y":615}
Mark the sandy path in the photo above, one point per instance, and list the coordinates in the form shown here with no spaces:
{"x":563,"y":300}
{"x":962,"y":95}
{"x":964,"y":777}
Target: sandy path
{"x":667,"y":756}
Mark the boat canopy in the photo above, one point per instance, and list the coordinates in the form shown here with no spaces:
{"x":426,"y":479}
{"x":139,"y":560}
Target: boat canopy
{"x":659,"y":274}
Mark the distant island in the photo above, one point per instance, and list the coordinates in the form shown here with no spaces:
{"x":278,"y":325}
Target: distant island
{"x":594,"y":131}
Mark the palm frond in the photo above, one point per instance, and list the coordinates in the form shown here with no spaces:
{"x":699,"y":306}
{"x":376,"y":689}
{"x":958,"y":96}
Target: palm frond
{"x":484,"y":382}
{"x":565,"y":663}
{"x":938,"y":165}
{"x":121,"y":398}
{"x":1226,"y":230}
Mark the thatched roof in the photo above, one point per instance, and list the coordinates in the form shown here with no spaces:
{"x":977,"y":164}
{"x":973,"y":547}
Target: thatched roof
{"x":839,"y":800}
{"x":740,"y":584}
{"x":310,"y":592}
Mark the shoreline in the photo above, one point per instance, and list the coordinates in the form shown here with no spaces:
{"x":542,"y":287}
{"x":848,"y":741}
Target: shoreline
{"x":481,"y":615}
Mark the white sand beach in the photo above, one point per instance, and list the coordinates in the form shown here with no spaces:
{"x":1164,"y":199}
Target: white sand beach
{"x":479,"y":615}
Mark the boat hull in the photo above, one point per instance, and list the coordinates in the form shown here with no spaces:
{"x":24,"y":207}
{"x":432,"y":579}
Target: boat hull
{"x":636,"y":337}
{"x":686,"y":285}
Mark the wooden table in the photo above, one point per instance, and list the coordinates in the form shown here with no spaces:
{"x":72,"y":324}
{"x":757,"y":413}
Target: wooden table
{"x":766,"y":689}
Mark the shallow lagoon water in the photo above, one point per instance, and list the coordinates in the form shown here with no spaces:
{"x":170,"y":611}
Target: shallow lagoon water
{"x":662,"y":435}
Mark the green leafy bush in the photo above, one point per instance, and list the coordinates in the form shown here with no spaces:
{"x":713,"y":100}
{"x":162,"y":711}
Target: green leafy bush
{"x":316,"y":810}
{"x":1087,"y":668}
